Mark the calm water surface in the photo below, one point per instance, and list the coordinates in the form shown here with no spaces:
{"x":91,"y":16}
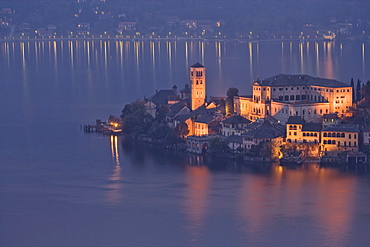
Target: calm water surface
{"x":61,"y":187}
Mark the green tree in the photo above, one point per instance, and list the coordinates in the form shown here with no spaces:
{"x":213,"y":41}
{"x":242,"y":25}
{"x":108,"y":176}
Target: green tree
{"x":182,"y":129}
{"x":231,"y":92}
{"x":218,"y":145}
{"x":358,"y":89}
{"x":353,"y":91}
{"x":159,"y":131}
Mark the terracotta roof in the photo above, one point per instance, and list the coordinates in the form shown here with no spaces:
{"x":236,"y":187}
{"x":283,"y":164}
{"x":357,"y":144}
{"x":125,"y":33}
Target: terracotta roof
{"x":331,"y":116}
{"x":237,"y":119}
{"x":235,"y":139}
{"x":366,"y":128}
{"x":265,"y":131}
{"x":174,"y":109}
{"x":314,"y":127}
{"x":205,"y":119}
{"x":197,"y":65}
{"x":295,"y":120}
{"x":160,"y":98}
{"x":300,"y":80}
{"x":342,"y":128}
{"x":186,"y":89}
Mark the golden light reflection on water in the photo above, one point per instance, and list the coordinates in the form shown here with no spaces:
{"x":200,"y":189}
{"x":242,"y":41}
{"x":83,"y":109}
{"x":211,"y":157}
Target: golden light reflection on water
{"x":294,"y":195}
{"x":363,"y":58}
{"x":197,"y":180}
{"x":114,"y":194}
{"x":251,"y":72}
{"x":329,"y":61}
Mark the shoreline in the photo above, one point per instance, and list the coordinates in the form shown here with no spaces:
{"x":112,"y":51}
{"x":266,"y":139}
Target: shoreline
{"x":135,"y":39}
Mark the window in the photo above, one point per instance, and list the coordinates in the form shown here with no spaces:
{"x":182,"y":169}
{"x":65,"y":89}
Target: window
{"x":281,"y":98}
{"x":303,"y":97}
{"x":325,"y":134}
{"x":298,"y":97}
{"x":355,"y":136}
{"x":291,"y":97}
{"x":286,"y":98}
{"x":349,"y":136}
{"x":342,"y":135}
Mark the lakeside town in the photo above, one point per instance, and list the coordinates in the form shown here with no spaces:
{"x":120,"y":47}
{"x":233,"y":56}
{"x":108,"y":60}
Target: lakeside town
{"x":291,"y":118}
{"x":83,"y":19}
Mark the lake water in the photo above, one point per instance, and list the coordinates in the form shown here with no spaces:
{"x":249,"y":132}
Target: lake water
{"x":61,"y":187}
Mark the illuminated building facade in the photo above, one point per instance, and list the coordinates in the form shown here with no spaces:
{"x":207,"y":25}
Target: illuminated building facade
{"x":198,"y":85}
{"x":283,"y":96}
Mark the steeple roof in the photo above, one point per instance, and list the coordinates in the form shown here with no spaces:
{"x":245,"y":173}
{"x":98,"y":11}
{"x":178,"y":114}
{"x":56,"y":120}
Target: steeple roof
{"x":197,"y":65}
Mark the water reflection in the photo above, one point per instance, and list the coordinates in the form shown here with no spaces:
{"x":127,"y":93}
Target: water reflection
{"x":196,"y":199}
{"x":142,"y":59}
{"x":114,"y":194}
{"x":320,"y":199}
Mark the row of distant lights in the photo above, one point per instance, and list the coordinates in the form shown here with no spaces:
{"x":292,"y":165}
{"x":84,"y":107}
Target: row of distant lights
{"x":109,"y":36}
{"x":138,"y":36}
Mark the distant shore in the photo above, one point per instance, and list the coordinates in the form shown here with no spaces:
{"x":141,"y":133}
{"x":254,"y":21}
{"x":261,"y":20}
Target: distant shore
{"x":126,"y":38}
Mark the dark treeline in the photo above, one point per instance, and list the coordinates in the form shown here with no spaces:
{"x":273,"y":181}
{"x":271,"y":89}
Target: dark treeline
{"x":240,"y":16}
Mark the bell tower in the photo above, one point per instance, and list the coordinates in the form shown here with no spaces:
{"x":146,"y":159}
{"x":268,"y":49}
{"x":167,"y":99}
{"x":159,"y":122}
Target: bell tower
{"x":198,"y":85}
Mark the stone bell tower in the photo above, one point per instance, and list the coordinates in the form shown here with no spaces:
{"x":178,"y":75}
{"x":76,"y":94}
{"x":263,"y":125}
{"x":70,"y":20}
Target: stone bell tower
{"x":198,"y":85}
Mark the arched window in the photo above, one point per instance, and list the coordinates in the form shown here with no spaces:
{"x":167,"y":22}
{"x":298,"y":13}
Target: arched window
{"x":286,"y":98}
{"x":333,"y":142}
{"x":281,"y":98}
{"x":325,"y":142}
{"x":342,"y":135}
{"x":298,"y":97}
{"x":325,"y":134}
{"x":291,"y":97}
{"x":338,"y":134}
{"x":329,"y":134}
{"x":315,"y":135}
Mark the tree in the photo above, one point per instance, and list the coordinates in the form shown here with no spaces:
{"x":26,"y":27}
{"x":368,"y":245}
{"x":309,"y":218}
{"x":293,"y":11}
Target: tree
{"x":158,"y":131}
{"x":358,"y":89}
{"x":182,"y":129}
{"x":231,"y":92}
{"x":353,"y":91}
{"x":126,"y":111}
{"x":218,"y":145}
{"x":365,"y":92}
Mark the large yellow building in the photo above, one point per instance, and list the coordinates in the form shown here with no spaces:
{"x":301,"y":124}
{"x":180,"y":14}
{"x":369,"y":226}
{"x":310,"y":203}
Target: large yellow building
{"x":283,"y":96}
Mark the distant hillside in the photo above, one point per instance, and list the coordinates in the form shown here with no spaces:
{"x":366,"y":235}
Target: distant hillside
{"x":239,"y":15}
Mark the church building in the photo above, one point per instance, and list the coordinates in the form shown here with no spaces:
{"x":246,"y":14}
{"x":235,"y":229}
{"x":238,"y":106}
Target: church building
{"x":282,"y":96}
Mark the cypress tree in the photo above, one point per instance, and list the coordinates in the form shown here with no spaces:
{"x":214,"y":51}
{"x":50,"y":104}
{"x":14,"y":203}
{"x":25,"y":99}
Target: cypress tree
{"x":353,"y":91}
{"x":358,"y":89}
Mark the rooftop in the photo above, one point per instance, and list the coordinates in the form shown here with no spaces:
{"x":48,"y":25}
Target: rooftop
{"x":314,"y":127}
{"x":265,"y":131}
{"x":342,"y":128}
{"x":237,"y":119}
{"x":299,"y":80}
{"x":295,"y":120}
{"x":197,"y":65}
